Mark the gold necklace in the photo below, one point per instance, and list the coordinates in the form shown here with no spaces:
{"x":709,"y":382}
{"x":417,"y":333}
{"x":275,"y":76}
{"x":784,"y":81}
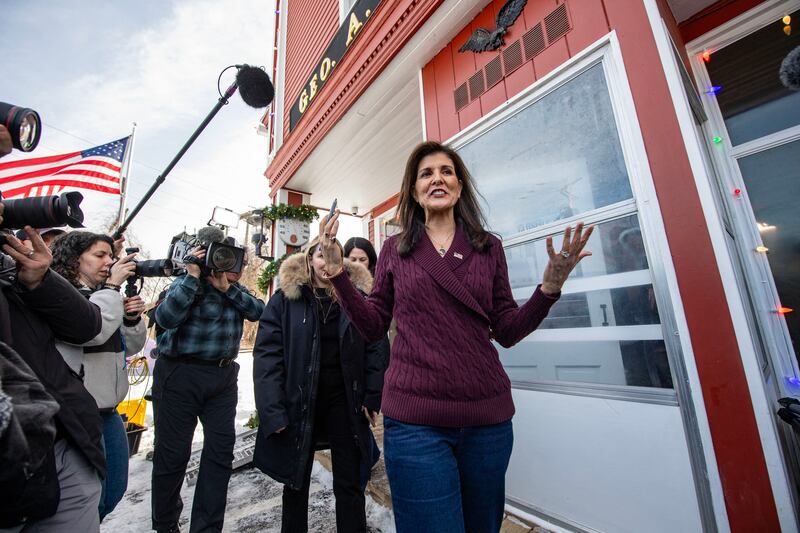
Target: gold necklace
{"x":325,"y":312}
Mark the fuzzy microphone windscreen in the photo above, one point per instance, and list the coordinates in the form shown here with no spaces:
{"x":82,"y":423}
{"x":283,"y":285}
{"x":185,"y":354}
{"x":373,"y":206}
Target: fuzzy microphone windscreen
{"x":790,"y":70}
{"x":255,"y":86}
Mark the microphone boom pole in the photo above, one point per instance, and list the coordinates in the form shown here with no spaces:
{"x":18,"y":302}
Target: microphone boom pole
{"x":223,"y":100}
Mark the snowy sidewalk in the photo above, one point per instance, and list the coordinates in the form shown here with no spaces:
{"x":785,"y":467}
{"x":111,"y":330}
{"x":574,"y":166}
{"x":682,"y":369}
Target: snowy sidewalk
{"x":254,"y":499}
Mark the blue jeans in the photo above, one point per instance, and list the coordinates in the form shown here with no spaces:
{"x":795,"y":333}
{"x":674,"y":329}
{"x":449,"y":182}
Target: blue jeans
{"x":115,"y":444}
{"x":448,"y":480}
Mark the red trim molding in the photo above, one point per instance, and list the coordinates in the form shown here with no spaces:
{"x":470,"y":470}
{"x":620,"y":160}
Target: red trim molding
{"x":713,"y":16}
{"x":392,"y":25}
{"x":386,"y":205}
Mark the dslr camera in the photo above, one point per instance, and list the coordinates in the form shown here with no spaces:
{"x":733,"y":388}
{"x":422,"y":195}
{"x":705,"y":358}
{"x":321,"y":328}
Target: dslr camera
{"x":25,"y":128}
{"x":42,"y":212}
{"x":221,"y":254}
{"x":23,"y":124}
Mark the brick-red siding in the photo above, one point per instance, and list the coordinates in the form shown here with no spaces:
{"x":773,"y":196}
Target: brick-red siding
{"x":310,"y":27}
{"x":449,"y":68}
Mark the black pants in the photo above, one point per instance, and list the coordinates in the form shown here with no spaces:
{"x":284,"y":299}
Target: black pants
{"x":182,"y":393}
{"x":331,"y":417}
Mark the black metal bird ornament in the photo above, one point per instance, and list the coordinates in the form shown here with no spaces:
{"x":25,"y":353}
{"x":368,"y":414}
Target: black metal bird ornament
{"x":485,"y":41}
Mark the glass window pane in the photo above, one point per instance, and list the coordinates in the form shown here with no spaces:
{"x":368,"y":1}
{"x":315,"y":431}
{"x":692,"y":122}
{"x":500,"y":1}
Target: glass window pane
{"x":616,"y":247}
{"x":556,"y":158}
{"x":772,"y":179}
{"x":606,"y":329}
{"x":634,"y":363}
{"x":752,"y":100}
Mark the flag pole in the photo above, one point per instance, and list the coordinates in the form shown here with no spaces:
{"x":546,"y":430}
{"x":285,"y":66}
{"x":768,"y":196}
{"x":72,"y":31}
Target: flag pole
{"x":123,"y":186}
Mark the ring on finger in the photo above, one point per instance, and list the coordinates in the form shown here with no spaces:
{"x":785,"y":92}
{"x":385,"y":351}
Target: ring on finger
{"x":30,"y":253}
{"x":565,"y":254}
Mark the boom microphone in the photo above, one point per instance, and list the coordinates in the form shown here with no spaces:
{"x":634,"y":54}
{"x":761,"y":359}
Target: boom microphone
{"x":790,"y":70}
{"x":256,"y":90}
{"x":210,"y":234}
{"x":255,"y":87}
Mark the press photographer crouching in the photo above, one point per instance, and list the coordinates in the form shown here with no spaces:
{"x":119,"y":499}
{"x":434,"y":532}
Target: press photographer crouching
{"x":195,"y":376}
{"x":50,"y":469}
{"x":87,"y":261}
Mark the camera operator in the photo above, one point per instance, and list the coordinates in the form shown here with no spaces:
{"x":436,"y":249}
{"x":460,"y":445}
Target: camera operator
{"x":87,"y":261}
{"x":41,"y":305}
{"x":195,"y":377}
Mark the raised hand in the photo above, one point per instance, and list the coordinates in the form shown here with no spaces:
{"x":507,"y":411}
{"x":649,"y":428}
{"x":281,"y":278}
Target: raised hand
{"x":193,"y":269}
{"x":562,"y":263}
{"x":122,"y":270}
{"x":331,"y":250}
{"x":32,"y":265}
{"x":219,"y":280}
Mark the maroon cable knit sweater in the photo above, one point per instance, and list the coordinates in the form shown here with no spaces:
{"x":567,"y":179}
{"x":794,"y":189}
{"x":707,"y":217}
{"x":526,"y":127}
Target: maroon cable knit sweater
{"x":444,"y":369}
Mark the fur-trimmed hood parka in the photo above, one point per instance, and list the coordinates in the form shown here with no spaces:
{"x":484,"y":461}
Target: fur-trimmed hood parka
{"x":286,"y":367}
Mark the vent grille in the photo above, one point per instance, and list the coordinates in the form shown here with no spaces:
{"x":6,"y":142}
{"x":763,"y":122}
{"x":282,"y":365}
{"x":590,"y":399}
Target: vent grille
{"x":533,"y":42}
{"x":476,"y":85}
{"x":512,"y":57}
{"x":461,"y":96}
{"x":556,"y":24}
{"x":494,"y":72}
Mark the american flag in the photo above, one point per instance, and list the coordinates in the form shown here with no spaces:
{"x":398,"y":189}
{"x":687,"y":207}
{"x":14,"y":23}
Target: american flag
{"x":97,"y":169}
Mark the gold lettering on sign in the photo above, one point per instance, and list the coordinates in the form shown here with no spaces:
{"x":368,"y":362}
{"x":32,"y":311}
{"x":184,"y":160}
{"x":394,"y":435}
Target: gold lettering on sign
{"x":303,"y":101}
{"x":325,"y":69}
{"x":355,"y":25}
{"x":313,"y":86}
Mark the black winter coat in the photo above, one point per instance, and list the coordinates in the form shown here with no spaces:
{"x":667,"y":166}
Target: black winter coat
{"x":34,"y":319}
{"x":286,"y":363}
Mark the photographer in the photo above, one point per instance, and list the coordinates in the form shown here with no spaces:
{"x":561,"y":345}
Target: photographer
{"x":86,"y":260}
{"x":195,"y":377}
{"x":41,"y":305}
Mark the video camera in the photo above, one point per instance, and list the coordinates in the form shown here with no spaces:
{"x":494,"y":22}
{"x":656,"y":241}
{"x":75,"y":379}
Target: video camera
{"x":220,"y":255}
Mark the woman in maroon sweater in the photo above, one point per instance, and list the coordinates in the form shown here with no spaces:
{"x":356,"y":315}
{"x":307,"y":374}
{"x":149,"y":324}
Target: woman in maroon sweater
{"x":446,"y":398}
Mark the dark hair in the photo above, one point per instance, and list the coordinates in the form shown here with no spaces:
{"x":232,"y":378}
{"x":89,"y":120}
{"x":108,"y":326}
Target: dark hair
{"x":467,"y":210}
{"x":68,"y":248}
{"x":362,"y":244}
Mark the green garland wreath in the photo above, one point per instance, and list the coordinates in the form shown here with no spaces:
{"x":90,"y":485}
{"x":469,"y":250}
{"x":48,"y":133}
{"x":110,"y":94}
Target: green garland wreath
{"x":268,"y":273}
{"x":306,"y":213}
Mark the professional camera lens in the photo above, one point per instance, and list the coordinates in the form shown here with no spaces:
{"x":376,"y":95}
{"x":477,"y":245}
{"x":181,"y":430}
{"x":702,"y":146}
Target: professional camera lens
{"x":44,"y":211}
{"x":222,"y":259}
{"x":23,"y":124}
{"x":154,"y":268}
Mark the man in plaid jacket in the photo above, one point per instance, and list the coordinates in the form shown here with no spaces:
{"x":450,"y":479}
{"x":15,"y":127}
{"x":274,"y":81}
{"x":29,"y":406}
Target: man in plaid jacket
{"x":195,"y":377}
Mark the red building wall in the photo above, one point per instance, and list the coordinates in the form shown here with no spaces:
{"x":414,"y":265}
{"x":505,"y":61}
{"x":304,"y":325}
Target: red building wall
{"x":450,"y":69}
{"x":310,"y":26}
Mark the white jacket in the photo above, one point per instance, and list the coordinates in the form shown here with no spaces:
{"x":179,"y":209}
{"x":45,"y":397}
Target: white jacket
{"x":101,"y":361}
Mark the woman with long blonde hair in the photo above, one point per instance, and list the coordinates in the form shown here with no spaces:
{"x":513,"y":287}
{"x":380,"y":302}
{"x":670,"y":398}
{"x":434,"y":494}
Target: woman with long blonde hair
{"x":317,"y":383}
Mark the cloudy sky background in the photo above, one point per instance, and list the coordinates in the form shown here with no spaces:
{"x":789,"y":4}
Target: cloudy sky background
{"x":94,"y":67}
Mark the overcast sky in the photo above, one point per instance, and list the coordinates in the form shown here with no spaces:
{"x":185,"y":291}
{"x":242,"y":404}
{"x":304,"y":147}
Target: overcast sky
{"x":92,"y":68}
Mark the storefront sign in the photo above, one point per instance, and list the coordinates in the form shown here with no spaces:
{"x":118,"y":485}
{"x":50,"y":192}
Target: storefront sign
{"x":344,"y":37}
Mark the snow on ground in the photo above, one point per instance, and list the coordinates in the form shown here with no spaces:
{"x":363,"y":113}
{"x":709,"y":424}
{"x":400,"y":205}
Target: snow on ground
{"x":254,"y":499}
